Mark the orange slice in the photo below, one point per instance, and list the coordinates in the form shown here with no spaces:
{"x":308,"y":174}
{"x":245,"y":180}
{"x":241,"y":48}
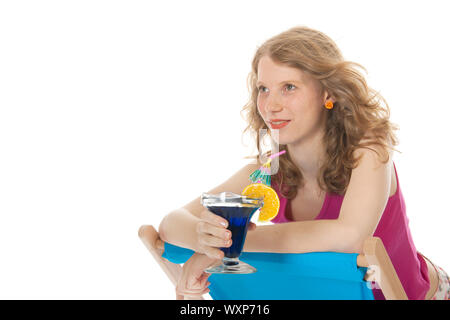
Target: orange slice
{"x":271,"y":201}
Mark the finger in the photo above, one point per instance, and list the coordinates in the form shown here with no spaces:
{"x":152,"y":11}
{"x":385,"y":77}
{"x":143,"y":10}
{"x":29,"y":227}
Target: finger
{"x":179,"y":296}
{"x":204,"y":280}
{"x":206,"y":291}
{"x":195,"y":296}
{"x":220,"y":232}
{"x":191,"y":292}
{"x":205,"y":284}
{"x":197,"y":282}
{"x":213,"y":253}
{"x":179,"y":293}
{"x":198,"y":287}
{"x":251,"y":226}
{"x":213,"y":219}
{"x":186,"y":290}
{"x":212,"y":241}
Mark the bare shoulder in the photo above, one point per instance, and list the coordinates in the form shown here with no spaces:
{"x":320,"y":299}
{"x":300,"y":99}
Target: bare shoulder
{"x":373,"y":150}
{"x":236,"y":183}
{"x":376,"y":156}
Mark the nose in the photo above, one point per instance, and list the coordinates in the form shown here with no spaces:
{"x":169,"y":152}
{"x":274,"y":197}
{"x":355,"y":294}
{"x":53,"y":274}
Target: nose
{"x":272,"y":109}
{"x":273,"y":104}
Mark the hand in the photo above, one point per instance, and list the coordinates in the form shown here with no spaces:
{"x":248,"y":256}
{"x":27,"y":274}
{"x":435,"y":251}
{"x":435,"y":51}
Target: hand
{"x":212,"y":234}
{"x":193,"y":280}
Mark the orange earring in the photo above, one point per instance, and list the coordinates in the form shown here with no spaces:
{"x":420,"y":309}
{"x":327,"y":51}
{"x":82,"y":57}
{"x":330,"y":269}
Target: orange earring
{"x":329,"y":104}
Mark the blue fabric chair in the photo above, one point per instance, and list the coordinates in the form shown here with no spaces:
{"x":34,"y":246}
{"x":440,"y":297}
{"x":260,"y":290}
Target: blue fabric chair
{"x":291,"y":276}
{"x":287,"y":276}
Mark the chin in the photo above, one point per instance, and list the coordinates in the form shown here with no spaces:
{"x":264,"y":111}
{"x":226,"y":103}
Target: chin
{"x":285,"y":139}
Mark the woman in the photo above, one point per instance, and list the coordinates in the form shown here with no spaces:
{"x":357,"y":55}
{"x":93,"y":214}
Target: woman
{"x":337,"y":182}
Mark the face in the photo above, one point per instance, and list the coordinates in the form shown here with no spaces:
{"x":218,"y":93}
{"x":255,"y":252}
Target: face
{"x":288,"y":93}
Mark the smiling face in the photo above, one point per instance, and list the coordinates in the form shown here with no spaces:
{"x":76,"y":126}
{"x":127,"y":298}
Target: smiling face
{"x":290,"y":94}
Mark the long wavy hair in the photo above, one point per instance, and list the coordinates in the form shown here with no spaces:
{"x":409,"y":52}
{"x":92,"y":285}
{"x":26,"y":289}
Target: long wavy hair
{"x":359,"y":111}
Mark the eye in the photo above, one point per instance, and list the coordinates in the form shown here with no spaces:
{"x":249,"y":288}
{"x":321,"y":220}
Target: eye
{"x":289,"y":86}
{"x":261,"y":88}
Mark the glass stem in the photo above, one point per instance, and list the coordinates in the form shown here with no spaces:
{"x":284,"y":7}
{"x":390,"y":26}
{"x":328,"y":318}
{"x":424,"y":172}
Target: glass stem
{"x":230,"y":261}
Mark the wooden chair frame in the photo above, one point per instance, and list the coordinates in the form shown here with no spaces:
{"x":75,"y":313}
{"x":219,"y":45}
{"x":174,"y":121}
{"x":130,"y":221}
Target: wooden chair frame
{"x":375,"y":257}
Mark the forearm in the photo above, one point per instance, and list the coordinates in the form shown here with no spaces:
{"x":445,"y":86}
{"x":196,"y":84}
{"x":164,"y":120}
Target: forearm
{"x":302,"y":237}
{"x":179,"y":228}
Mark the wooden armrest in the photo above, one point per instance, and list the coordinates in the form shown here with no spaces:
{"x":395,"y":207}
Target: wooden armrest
{"x":376,"y":258}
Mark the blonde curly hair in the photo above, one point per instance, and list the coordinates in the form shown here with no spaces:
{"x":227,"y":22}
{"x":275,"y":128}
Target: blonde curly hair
{"x":358,"y":111}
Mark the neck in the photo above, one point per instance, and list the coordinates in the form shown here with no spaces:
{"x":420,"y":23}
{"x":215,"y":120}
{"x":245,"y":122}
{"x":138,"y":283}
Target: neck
{"x":308,"y":156}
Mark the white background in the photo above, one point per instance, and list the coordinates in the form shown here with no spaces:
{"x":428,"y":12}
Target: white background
{"x":114,"y":113}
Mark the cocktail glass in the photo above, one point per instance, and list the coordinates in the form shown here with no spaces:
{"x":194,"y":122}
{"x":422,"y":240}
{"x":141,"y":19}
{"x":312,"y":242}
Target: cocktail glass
{"x":237,"y":210}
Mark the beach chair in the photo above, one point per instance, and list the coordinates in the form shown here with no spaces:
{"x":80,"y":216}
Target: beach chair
{"x":291,"y":276}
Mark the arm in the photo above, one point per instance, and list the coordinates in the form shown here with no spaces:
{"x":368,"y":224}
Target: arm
{"x":301,"y":237}
{"x":363,"y":205}
{"x":367,"y":195}
{"x":179,"y":228}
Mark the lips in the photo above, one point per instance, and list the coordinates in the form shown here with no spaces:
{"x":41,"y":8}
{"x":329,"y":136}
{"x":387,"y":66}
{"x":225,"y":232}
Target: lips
{"x":279,"y":124}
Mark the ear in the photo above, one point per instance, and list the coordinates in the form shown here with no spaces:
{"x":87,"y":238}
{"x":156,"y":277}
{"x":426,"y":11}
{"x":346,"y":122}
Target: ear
{"x":327,"y":96}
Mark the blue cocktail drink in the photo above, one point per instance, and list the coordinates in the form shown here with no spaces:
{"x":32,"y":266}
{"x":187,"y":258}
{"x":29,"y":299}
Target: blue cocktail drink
{"x":238,"y":219}
{"x":237,"y":210}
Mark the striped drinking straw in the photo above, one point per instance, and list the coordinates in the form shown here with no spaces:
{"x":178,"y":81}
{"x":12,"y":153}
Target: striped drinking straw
{"x":262,"y":175}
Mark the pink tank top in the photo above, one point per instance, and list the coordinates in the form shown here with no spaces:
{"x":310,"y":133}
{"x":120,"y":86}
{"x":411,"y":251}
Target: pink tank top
{"x":393,"y":230}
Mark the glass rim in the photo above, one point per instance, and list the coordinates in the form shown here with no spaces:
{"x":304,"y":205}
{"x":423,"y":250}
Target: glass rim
{"x":229,"y":198}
